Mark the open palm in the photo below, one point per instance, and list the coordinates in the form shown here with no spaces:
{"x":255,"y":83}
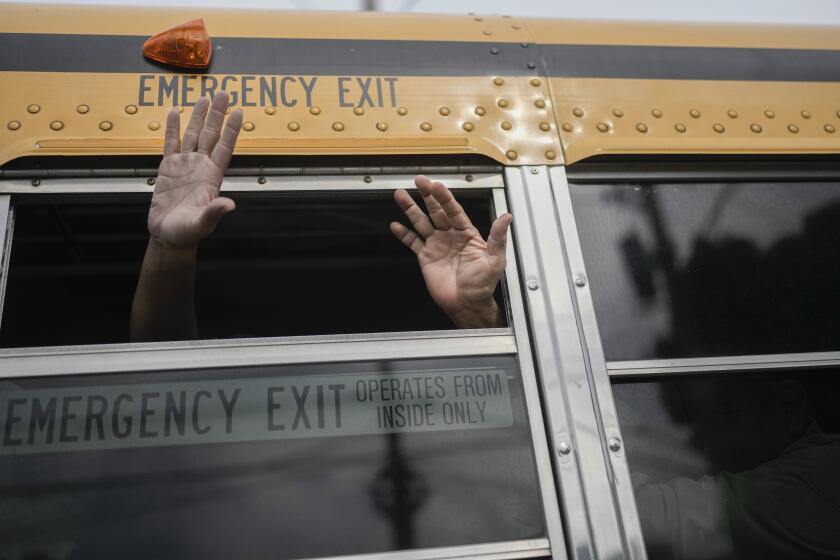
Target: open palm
{"x":460,"y":268}
{"x":186,"y":206}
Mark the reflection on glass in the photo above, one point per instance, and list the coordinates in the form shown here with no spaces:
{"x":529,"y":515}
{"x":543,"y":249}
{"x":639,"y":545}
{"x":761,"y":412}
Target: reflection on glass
{"x":685,"y":270}
{"x":267,"y":462}
{"x":741,"y":467}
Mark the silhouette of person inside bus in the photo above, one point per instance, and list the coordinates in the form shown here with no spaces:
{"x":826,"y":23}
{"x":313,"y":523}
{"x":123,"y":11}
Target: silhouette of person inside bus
{"x":460,"y":268}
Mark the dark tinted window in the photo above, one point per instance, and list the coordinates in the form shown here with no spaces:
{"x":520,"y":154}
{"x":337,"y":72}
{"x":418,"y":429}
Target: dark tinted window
{"x":277,"y":266}
{"x":267,"y":462}
{"x":682,"y":270}
{"x":735,"y":467}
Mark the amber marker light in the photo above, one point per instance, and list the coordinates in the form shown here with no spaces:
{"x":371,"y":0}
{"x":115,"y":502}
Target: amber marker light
{"x":186,"y":46}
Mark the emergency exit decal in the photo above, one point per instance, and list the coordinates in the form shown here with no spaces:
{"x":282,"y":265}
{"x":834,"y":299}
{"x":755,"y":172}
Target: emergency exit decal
{"x":232,"y":410}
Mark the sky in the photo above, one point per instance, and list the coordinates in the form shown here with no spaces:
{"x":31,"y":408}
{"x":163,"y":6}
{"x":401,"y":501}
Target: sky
{"x":757,"y":11}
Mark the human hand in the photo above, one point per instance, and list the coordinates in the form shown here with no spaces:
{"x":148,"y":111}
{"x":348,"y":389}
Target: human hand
{"x":186,"y":206}
{"x":461,"y":270}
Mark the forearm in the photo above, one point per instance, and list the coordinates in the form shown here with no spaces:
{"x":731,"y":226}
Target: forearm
{"x":479,"y":316}
{"x":164,"y":306}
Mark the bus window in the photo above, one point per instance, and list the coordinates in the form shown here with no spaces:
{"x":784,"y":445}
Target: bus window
{"x":735,"y":465}
{"x":279,"y":265}
{"x":287,"y":461}
{"x":702,"y":269}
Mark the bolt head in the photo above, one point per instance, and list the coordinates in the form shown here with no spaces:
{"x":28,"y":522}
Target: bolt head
{"x":580,"y":281}
{"x":261,"y":180}
{"x":368,"y":179}
{"x":563,"y":448}
{"x":533,"y":285}
{"x":150,"y":181}
{"x":469,"y":178}
{"x":535,"y":171}
{"x":36,"y":182}
{"x":614,"y":444}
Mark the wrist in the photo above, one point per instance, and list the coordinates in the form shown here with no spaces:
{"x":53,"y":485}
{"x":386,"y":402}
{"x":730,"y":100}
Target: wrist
{"x":166,"y":255}
{"x":478,"y":315}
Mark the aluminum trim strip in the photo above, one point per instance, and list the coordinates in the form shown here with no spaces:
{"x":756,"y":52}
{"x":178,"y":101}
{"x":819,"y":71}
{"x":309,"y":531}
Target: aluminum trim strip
{"x":490,"y":551}
{"x":124,"y":358}
{"x":542,"y":454}
{"x":723,"y":363}
{"x":344,"y":183}
{"x":588,"y":324}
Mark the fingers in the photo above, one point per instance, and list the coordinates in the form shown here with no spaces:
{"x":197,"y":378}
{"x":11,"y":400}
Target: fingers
{"x":497,"y":240}
{"x":195,"y":125}
{"x":436,"y":213}
{"x":224,"y":147}
{"x":212,"y":213}
{"x":455,"y":214}
{"x":209,"y":135}
{"x":408,"y":237}
{"x":172,"y":138}
{"x":418,"y":218}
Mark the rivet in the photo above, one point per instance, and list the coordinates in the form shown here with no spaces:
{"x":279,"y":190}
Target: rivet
{"x":580,"y":281}
{"x":517,"y":27}
{"x":695,"y":114}
{"x":829,"y":128}
{"x":153,"y":125}
{"x":248,"y":126}
{"x":381,"y":126}
{"x":56,"y":125}
{"x":13,"y":125}
{"x":642,"y":127}
{"x":535,"y":82}
{"x":838,"y":114}
{"x":577,"y":111}
{"x":511,"y":154}
{"x":603,"y":127}
{"x":806,"y":114}
{"x":478,"y":19}
{"x":755,"y":128}
{"x":531,"y":65}
{"x":261,"y":180}
{"x":337,"y":126}
{"x":315,"y":110}
{"x":732,"y":114}
{"x":618,"y":113}
{"x":793,"y":128}
{"x":564,"y":448}
{"x":181,"y":109}
{"x":568,"y":127}
{"x":503,"y":103}
{"x":499,"y":81}
{"x":444,"y":111}
{"x":657,"y":113}
{"x":717,"y":127}
{"x":680,"y":127}
{"x":358,"y":111}
{"x":480,"y":111}
{"x":614,"y":444}
{"x":468,"y":126}
{"x":523,"y":45}
{"x":769,"y":114}
{"x":33,"y":108}
{"x":469,"y":178}
{"x":494,"y":50}
{"x":151,"y":181}
{"x":106,"y":126}
{"x":487,"y":32}
{"x":549,"y":154}
{"x":535,"y":171}
{"x":293,"y":126}
{"x":36,"y":182}
{"x":82,"y":109}
{"x":368,"y":179}
{"x":130,"y":109}
{"x":532,"y":285}
{"x":425,"y":127}
{"x":402,"y":111}
{"x":506,"y":125}
{"x":539,"y":104}
{"x":270,"y":110}
{"x":545,"y":127}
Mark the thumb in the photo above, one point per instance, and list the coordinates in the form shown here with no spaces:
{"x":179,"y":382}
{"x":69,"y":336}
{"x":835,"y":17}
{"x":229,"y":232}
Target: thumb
{"x":212,"y":213}
{"x":497,"y":240}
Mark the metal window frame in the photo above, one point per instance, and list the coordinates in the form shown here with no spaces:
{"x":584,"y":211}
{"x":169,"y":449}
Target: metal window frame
{"x":113,"y":358}
{"x":720,"y":364}
{"x":7,"y":227}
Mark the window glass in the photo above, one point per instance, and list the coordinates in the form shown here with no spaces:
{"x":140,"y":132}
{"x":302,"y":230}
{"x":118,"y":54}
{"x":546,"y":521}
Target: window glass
{"x":735,"y":466}
{"x":267,"y":462}
{"x":303,"y":264}
{"x":683,"y":270}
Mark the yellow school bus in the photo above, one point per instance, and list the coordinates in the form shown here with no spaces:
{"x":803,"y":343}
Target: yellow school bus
{"x":665,"y":383}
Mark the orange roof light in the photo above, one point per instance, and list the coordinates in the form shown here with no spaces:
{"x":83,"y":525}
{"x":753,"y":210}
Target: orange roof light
{"x":185,"y":46}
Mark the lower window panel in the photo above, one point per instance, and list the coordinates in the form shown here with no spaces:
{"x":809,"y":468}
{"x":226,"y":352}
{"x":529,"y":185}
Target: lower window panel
{"x":267,"y":462}
{"x":735,"y":466}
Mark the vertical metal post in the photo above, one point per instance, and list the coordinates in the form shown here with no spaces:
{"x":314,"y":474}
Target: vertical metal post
{"x":7,"y":224}
{"x":582,"y":468}
{"x":542,"y":453}
{"x":623,"y":488}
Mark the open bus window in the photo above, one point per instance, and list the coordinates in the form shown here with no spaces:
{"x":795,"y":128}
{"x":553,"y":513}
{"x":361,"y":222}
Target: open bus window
{"x":279,"y":265}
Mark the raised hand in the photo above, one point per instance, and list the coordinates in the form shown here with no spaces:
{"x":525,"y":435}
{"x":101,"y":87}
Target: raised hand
{"x":460,"y":268}
{"x":186,"y":206}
